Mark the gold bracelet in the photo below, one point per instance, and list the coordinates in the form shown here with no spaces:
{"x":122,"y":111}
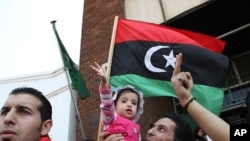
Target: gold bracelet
{"x":186,"y":106}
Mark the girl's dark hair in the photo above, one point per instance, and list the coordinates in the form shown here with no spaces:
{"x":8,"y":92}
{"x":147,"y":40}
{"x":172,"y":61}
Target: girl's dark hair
{"x":126,"y":89}
{"x":118,"y":92}
{"x":45,"y":108}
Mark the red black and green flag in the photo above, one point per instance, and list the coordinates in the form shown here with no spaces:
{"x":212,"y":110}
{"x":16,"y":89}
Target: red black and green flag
{"x":144,"y":56}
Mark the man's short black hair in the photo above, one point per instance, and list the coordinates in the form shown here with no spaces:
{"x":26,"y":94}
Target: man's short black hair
{"x":183,"y":131}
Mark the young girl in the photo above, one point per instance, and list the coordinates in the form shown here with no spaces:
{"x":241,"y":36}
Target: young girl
{"x":121,"y":111}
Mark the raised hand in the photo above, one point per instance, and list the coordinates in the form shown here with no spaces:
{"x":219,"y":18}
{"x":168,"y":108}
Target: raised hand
{"x":182,"y":81}
{"x":100,"y":72}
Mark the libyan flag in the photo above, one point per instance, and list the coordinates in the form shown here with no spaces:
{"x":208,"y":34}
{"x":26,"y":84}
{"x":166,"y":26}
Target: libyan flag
{"x":144,"y":56}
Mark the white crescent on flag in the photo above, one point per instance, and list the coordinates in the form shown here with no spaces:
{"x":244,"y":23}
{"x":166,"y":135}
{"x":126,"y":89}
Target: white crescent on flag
{"x":147,"y":60}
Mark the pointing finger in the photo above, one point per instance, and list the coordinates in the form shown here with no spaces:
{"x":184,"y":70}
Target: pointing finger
{"x":177,"y":68}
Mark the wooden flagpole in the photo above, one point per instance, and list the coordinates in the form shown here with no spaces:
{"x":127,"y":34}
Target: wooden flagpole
{"x":112,"y":45}
{"x":111,"y":50}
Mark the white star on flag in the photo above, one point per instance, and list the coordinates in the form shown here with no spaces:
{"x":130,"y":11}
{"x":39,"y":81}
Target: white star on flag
{"x":170,"y":59}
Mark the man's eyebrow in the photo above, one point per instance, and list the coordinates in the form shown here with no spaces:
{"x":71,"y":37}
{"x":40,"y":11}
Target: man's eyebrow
{"x":4,"y":107}
{"x":19,"y":106}
{"x":162,"y":125}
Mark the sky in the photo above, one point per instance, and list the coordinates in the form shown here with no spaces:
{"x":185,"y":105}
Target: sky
{"x":27,"y":41}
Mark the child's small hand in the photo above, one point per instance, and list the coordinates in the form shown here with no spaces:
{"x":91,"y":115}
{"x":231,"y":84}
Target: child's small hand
{"x":100,"y":71}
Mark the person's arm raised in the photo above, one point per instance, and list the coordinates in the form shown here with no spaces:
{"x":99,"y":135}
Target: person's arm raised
{"x":214,"y":126}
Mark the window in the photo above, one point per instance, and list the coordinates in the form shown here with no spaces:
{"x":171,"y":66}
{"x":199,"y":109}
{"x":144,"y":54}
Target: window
{"x":238,"y":81}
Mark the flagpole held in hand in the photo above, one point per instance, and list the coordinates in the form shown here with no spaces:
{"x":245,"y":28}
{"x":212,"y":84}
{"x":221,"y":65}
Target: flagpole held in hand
{"x":111,"y":49}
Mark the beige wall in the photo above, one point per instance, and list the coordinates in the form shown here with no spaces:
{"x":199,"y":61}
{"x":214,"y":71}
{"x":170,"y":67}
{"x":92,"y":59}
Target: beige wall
{"x":144,"y":10}
{"x":158,"y":11}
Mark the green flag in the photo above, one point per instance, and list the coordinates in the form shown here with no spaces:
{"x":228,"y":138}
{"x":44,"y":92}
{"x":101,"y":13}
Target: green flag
{"x":74,"y":73}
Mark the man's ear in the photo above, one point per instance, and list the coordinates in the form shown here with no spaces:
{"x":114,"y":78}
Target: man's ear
{"x":47,"y":125}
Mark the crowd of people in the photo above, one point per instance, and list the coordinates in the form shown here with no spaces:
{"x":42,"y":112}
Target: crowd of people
{"x":170,"y":128}
{"x":26,"y":115}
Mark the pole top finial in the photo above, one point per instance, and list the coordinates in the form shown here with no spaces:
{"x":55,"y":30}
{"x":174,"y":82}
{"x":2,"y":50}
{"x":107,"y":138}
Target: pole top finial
{"x":53,"y":22}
